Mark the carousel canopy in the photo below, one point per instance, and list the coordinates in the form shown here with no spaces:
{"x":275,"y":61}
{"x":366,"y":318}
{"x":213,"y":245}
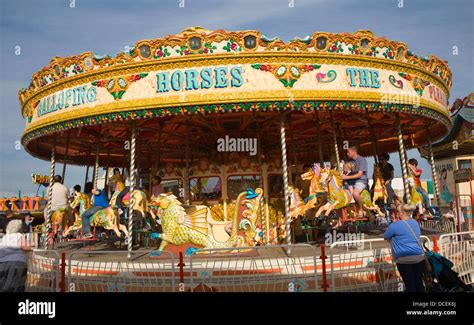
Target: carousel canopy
{"x":200,"y":85}
{"x":460,"y":139}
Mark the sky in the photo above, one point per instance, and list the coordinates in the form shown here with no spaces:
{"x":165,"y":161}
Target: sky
{"x":47,"y":28}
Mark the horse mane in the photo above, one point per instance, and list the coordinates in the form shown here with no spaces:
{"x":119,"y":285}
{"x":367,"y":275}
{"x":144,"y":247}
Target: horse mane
{"x":337,"y":177}
{"x":377,"y":174}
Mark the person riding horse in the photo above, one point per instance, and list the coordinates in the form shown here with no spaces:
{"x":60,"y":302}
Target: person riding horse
{"x":360,"y":176}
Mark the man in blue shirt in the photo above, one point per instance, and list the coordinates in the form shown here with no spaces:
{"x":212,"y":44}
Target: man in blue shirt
{"x":360,"y":176}
{"x":100,"y":202}
{"x":404,"y":236}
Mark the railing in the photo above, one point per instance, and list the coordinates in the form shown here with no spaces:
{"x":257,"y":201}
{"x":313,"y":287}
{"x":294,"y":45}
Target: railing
{"x":442,"y":225}
{"x":142,"y":273}
{"x":43,"y":271}
{"x":354,"y":265}
{"x":255,"y":269}
{"x":459,"y":249}
{"x":363,"y":269}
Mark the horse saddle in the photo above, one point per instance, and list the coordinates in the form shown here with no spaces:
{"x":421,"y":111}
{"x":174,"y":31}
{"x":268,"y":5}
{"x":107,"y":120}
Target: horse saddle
{"x":218,"y":229}
{"x":126,"y":198}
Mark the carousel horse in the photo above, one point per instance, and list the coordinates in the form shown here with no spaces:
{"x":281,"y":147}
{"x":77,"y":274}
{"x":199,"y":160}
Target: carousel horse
{"x":416,"y":199}
{"x":140,"y":203}
{"x":106,"y":218}
{"x":316,"y":188}
{"x":380,"y":191}
{"x":195,"y":225}
{"x":298,"y":205}
{"x":339,"y":197}
{"x":82,"y":201}
{"x":59,"y":222}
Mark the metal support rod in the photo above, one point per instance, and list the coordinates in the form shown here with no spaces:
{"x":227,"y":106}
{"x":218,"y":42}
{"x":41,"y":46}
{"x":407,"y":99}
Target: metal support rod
{"x":403,"y":160}
{"x":285,"y":180}
{"x":262,"y":201}
{"x":374,"y":138}
{"x":433,"y":168}
{"x":107,"y":166}
{"x":47,"y":229}
{"x":186,"y":178}
{"x":334,"y":137}
{"x":87,"y":171}
{"x":293,"y":164}
{"x":63,"y":174}
{"x":320,"y":142}
{"x":132,"y":188}
{"x":96,"y":166}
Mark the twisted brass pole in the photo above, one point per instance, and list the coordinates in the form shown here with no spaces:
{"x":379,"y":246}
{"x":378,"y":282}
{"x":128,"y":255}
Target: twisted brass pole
{"x":132,"y":188}
{"x":47,"y":228}
{"x":433,"y":167}
{"x":285,"y":180}
{"x":403,"y":161}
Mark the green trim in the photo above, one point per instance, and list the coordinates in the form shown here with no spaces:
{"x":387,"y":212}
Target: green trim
{"x":229,"y":107}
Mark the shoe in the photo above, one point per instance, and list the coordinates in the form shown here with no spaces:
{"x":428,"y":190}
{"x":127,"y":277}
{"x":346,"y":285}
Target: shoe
{"x":88,"y":235}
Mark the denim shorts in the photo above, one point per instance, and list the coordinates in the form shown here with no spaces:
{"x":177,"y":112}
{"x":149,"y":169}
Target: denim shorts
{"x":360,"y":185}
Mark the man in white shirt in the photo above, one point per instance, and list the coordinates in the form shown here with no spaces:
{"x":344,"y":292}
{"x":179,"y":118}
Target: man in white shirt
{"x":59,"y":198}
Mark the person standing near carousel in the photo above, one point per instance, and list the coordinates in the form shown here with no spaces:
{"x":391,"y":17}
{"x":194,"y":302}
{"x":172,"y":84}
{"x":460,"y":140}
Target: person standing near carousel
{"x":407,"y":250}
{"x":360,"y":176}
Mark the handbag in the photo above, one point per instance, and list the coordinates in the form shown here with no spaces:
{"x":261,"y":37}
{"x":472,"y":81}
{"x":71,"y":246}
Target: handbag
{"x":427,"y":276}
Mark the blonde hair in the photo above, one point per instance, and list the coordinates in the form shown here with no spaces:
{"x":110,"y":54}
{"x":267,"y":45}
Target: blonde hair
{"x":406,"y":208}
{"x":349,"y":166}
{"x":14,"y":226}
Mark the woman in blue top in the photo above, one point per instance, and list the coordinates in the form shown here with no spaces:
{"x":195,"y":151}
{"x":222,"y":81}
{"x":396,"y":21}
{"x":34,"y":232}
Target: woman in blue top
{"x":406,"y":249}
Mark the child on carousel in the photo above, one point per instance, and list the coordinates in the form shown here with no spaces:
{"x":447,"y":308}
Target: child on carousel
{"x":348,"y":170}
{"x":416,"y":173}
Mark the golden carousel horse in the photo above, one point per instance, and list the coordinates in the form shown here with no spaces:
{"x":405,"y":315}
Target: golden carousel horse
{"x":140,"y":202}
{"x":106,"y":218}
{"x":316,"y":198}
{"x":82,"y":201}
{"x":416,"y":199}
{"x":339,"y":197}
{"x":59,"y":222}
{"x":380,"y":190}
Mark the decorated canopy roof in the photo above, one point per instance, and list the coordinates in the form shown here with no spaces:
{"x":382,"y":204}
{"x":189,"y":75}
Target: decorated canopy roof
{"x":352,"y":84}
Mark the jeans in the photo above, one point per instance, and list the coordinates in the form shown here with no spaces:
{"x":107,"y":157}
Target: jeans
{"x":412,"y":275}
{"x":118,"y":200}
{"x":426,"y":199}
{"x":86,"y":225}
{"x":390,"y":193}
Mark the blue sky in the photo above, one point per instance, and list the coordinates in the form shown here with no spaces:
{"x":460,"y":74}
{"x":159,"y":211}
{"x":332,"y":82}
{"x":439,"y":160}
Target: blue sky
{"x":48,"y":28}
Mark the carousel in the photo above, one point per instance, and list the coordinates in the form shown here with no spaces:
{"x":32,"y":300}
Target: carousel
{"x":227,"y":119}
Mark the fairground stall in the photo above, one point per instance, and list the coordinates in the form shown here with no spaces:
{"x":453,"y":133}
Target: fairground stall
{"x":228,"y":118}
